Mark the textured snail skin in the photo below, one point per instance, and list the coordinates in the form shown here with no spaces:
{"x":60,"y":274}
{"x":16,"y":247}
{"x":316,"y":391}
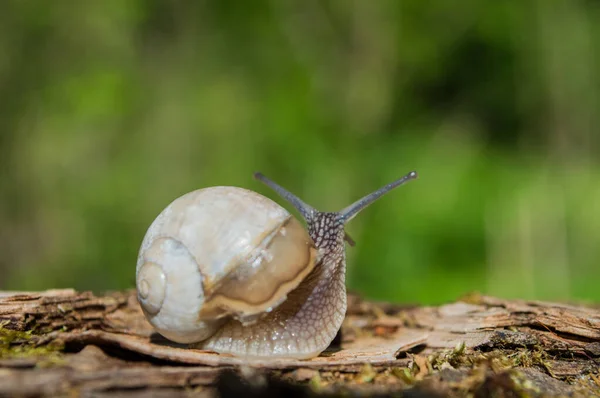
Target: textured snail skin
{"x":306,"y":323}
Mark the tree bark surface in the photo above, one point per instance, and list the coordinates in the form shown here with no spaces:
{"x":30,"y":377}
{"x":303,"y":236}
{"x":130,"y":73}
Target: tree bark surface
{"x":67,"y":343}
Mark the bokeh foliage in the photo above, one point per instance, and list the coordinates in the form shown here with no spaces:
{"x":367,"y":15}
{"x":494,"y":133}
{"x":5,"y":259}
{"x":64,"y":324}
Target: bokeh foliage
{"x":111,"y":109}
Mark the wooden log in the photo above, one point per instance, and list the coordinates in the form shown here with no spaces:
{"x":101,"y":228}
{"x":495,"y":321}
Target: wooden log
{"x":69,"y":343}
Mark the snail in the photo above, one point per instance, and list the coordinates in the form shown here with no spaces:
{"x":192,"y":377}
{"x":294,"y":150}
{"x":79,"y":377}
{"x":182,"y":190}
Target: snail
{"x":228,"y":270}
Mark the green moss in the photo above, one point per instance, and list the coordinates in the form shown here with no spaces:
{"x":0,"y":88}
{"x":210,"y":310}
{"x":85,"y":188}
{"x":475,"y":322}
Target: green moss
{"x":454,"y":358}
{"x":315,"y":383}
{"x":367,"y":373}
{"x":24,"y":344}
{"x":404,"y":374}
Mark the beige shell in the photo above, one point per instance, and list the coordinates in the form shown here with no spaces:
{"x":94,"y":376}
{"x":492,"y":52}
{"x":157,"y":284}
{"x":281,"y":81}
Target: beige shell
{"x":216,"y":253}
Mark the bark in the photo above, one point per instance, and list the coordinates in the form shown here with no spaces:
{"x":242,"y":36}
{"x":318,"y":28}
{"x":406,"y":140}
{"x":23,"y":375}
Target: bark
{"x":67,"y":343}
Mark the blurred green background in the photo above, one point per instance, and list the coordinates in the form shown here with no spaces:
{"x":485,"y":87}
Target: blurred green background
{"x":111,"y":109}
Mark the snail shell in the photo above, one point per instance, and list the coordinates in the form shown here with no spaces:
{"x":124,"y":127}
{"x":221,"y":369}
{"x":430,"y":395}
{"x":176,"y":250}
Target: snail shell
{"x":218,"y":252}
{"x":233,"y":272}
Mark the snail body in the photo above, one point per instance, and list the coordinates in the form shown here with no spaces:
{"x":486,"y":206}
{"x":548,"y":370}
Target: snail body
{"x":231,"y":271}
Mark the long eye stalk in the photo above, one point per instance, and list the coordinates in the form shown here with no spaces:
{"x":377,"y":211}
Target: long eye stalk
{"x":346,"y":214}
{"x":304,"y":209}
{"x":349,"y":212}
